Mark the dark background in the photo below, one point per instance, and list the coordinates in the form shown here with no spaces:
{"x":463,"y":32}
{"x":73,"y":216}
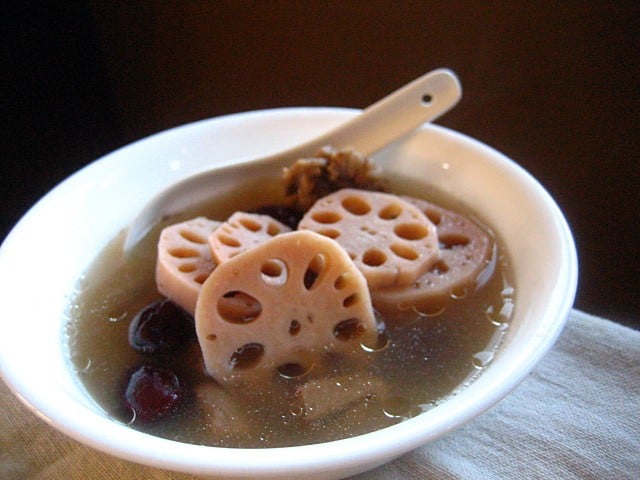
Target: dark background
{"x":553,"y":85}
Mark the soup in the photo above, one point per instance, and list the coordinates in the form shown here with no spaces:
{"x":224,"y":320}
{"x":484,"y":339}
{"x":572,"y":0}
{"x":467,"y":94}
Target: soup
{"x":422,"y":356}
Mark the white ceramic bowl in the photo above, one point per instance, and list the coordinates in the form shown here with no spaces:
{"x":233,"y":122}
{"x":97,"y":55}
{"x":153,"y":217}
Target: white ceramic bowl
{"x":47,"y":251}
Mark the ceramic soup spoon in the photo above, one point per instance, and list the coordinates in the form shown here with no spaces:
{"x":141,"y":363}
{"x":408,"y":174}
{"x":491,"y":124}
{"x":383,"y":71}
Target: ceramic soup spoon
{"x":387,"y":120}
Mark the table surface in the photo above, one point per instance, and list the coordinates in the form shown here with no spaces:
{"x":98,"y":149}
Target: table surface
{"x":574,"y":417}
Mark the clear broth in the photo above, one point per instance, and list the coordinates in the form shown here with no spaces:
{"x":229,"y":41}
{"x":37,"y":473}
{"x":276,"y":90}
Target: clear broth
{"x":427,"y":358}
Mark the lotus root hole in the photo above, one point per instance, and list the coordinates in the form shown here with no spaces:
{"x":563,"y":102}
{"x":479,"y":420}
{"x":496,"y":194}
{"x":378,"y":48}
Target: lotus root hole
{"x":183,"y":253}
{"x":439,"y":268}
{"x":390,"y":212}
{"x":187,"y":267}
{"x":330,"y":232}
{"x":229,"y":241}
{"x":314,"y":270}
{"x":250,"y":224}
{"x":374,"y":257}
{"x":273,"y":229}
{"x":356,"y":205}
{"x":348,"y":329}
{"x":326,"y":217}
{"x":404,"y":251}
{"x":247,"y":356}
{"x":351,"y":300}
{"x":451,"y":241}
{"x":238,"y":307}
{"x":433,"y":216}
{"x":411,"y":231}
{"x":274,"y":272}
{"x":294,"y":328}
{"x":341,"y":281}
{"x":200,"y":278}
{"x":192,"y":237}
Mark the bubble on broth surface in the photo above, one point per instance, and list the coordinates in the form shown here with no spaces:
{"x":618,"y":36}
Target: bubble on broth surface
{"x":482,"y":359}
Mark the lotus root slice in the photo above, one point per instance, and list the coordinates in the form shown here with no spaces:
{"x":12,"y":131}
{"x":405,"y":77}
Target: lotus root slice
{"x":241,"y":232}
{"x":184,"y":260}
{"x":391,"y":241}
{"x":466,"y":260}
{"x":277,"y":308}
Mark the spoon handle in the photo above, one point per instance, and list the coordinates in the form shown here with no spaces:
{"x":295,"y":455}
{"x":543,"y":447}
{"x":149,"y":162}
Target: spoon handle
{"x":394,"y":116}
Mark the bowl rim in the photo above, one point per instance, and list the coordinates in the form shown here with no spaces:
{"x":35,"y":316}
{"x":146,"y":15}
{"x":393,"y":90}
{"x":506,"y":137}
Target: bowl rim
{"x":344,"y":455}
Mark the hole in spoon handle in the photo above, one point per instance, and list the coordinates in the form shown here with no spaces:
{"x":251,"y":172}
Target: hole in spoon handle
{"x":423,"y":100}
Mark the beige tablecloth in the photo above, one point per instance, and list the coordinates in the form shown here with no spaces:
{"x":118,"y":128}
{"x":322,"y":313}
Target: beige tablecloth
{"x":577,"y":416}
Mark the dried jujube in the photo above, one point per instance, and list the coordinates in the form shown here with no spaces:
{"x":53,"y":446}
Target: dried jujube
{"x":160,"y":327}
{"x":153,"y":393}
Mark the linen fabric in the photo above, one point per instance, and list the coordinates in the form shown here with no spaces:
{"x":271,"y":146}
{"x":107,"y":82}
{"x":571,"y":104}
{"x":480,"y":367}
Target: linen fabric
{"x":576,"y":416}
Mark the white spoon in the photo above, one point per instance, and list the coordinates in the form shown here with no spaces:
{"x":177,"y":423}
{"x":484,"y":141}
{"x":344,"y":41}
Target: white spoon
{"x":387,"y":120}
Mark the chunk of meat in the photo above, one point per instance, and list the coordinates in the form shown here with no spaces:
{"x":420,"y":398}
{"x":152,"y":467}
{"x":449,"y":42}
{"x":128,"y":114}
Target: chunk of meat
{"x":184,"y":260}
{"x":241,"y":232}
{"x":225,"y":414}
{"x":326,"y":396}
{"x":304,"y":297}
{"x":391,"y":241}
{"x":466,"y":261}
{"x":309,"y":179}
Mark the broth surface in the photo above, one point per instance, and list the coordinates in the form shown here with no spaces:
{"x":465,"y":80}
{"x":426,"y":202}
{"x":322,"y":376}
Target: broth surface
{"x":427,"y":357}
